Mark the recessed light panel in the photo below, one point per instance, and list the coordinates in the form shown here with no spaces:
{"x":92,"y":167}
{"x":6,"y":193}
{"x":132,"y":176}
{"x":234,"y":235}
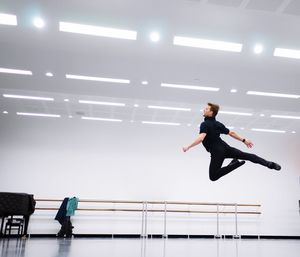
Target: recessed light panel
{"x":207,"y":44}
{"x":97,"y":31}
{"x":8,"y":19}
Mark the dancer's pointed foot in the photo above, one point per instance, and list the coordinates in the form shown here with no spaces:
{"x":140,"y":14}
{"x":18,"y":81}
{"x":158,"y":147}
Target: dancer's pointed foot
{"x":274,"y":166}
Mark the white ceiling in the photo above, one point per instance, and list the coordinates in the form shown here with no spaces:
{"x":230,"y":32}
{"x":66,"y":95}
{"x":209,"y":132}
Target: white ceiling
{"x":274,"y":23}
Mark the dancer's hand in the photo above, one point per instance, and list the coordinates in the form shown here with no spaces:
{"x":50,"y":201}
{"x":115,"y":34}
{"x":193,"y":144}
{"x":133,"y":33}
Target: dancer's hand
{"x":185,"y":148}
{"x":248,"y":143}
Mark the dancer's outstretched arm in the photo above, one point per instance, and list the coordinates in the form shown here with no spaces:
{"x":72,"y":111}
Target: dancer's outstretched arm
{"x":235,"y":135}
{"x":197,"y":141}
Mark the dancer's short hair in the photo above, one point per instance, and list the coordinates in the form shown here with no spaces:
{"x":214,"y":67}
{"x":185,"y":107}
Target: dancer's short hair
{"x":214,"y":108}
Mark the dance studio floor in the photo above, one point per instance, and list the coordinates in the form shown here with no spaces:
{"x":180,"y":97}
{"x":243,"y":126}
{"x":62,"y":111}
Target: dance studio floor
{"x":83,"y":247}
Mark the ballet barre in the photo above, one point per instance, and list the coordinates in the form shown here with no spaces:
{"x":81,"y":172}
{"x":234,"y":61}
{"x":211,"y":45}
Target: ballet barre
{"x":144,"y":209}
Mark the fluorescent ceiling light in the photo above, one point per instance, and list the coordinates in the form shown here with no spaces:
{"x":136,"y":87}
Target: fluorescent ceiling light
{"x":272,"y":94}
{"x":168,"y":108}
{"x":289,"y":53}
{"x":236,"y":113}
{"x":38,"y":22}
{"x":100,"y":119}
{"x":145,"y":82}
{"x":268,"y":130}
{"x":161,"y":123}
{"x":5,"y":112}
{"x":233,"y":90}
{"x":28,"y":97}
{"x":14,"y":71}
{"x":101,"y":103}
{"x":285,"y":117}
{"x":112,"y":80}
{"x":97,"y":31}
{"x":190,"y":87}
{"x":208,"y":44}
{"x":38,"y":114}
{"x":8,"y":19}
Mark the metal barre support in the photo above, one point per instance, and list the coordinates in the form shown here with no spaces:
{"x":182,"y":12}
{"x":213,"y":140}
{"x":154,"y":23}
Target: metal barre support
{"x":165,"y":221}
{"x":146,"y":219}
{"x":143,"y":209}
{"x":218,"y":223}
{"x":236,"y":223}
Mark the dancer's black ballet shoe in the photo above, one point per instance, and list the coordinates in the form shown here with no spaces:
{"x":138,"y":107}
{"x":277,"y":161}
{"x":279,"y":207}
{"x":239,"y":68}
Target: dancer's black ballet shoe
{"x":274,"y":166}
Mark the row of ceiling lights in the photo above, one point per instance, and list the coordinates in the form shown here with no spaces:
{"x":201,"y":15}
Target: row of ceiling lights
{"x":165,"y":85}
{"x":154,"y":36}
{"x":170,"y":108}
{"x":143,"y":122}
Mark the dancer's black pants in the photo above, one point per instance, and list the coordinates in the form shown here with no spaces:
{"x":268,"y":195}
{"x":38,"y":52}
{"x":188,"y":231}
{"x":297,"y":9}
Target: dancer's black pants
{"x":221,"y":151}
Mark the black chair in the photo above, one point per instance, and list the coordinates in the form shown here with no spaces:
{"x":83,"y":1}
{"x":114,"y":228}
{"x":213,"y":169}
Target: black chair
{"x":14,"y":224}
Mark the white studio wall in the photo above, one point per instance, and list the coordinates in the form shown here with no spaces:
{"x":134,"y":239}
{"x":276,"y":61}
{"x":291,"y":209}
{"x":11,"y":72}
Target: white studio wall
{"x":55,"y":158}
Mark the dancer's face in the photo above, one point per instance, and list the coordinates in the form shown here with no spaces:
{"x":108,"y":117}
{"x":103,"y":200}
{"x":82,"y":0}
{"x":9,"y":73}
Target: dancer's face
{"x":207,"y":112}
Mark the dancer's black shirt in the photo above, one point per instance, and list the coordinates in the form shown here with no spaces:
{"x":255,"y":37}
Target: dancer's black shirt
{"x":213,"y":129}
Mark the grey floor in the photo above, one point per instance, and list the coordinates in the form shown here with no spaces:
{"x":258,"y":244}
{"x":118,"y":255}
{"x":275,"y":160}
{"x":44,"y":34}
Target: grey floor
{"x":80,"y":247}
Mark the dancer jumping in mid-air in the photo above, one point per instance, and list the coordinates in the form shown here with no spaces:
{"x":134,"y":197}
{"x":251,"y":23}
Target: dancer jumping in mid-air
{"x":209,"y":135}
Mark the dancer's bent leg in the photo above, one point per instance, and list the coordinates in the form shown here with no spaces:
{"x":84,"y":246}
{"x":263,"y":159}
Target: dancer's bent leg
{"x":216,"y":170}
